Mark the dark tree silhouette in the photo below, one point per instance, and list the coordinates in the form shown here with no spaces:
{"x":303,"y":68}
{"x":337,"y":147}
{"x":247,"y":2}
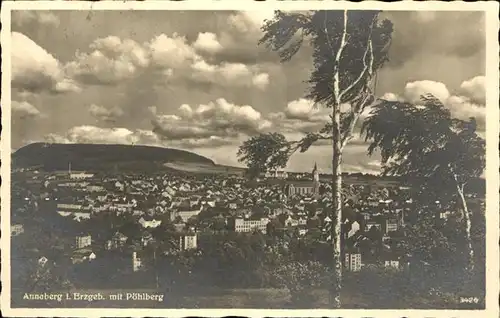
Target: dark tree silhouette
{"x":430,"y":148}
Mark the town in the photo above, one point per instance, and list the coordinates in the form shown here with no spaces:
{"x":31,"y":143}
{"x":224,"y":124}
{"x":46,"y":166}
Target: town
{"x":103,"y":215}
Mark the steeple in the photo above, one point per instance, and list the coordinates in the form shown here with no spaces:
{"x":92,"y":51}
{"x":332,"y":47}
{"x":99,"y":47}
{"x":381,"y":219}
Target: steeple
{"x":315,"y":172}
{"x":316,"y":183}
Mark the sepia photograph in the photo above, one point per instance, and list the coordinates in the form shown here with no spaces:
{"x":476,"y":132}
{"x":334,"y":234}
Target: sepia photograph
{"x":215,"y":156}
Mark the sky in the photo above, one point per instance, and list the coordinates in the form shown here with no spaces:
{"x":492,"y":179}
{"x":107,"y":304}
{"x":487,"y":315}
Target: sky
{"x":197,"y":80}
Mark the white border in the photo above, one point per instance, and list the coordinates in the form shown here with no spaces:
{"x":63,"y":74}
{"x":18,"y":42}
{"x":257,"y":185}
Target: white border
{"x":492,"y":166}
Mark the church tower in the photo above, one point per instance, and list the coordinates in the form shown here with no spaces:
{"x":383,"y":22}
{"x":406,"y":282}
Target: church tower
{"x":316,"y":183}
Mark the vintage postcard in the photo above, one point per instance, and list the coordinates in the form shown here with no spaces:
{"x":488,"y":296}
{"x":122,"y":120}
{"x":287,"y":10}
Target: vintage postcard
{"x":272,"y":158}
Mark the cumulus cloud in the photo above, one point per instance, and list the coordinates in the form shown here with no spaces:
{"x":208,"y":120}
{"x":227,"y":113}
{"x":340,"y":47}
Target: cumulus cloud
{"x":24,"y":17}
{"x":112,"y":60}
{"x":468,"y":102}
{"x":464,"y":108}
{"x":92,"y":134}
{"x":98,"y":135}
{"x":105,"y":114}
{"x":414,"y":90}
{"x":215,"y":119}
{"x":24,"y":109}
{"x":207,"y":42}
{"x":228,"y":74}
{"x":261,"y":80}
{"x":171,"y":52}
{"x":300,"y":116}
{"x":35,"y":70}
{"x":391,"y":97}
{"x":475,"y":89}
{"x":250,"y":21}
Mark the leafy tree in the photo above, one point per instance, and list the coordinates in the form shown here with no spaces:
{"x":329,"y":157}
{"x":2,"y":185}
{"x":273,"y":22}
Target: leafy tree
{"x":300,"y":278}
{"x":430,"y":148}
{"x":47,"y":277}
{"x":264,"y":152}
{"x":348,"y":49}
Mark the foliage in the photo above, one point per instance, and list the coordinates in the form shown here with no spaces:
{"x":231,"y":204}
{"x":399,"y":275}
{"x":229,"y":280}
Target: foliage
{"x":351,"y":52}
{"x":265,"y":151}
{"x":46,"y":277}
{"x":300,"y":278}
{"x":286,"y":32}
{"x":430,"y":148}
{"x":424,"y":143}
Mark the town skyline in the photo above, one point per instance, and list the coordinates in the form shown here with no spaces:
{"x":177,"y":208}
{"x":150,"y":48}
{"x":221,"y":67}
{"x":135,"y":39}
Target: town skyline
{"x":154,"y":78}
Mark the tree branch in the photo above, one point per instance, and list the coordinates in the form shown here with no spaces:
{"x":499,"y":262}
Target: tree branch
{"x":353,"y":118}
{"x":367,"y":67}
{"x":336,"y":77}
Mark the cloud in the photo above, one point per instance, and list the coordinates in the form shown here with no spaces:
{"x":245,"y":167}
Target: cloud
{"x":105,"y":114}
{"x":468,"y":102}
{"x":261,"y":80}
{"x":207,"y":42}
{"x":24,"y":109}
{"x":35,"y":70}
{"x":475,"y":89}
{"x":249,"y":21}
{"x":92,"y":134}
{"x":111,"y":61}
{"x":300,"y":116}
{"x":171,"y":52}
{"x":215,"y":120}
{"x":414,"y":90}
{"x":228,"y":74}
{"x":391,"y":97}
{"x":420,"y":34}
{"x":24,"y":17}
{"x":97,"y":135}
{"x":300,"y":109}
{"x":464,"y":108}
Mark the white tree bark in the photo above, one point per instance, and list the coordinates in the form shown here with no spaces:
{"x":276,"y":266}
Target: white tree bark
{"x":340,"y":139}
{"x":468,"y":226}
{"x":337,"y":171}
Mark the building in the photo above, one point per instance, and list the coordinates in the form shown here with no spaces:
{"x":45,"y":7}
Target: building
{"x":95,"y":188}
{"x":80,"y":176}
{"x":353,"y":261}
{"x":136,"y":262}
{"x":277,"y":174}
{"x":188,"y":242}
{"x":66,"y":209}
{"x":83,"y":241}
{"x":185,"y":214}
{"x":354,"y":228}
{"x":117,"y":241}
{"x":249,"y":225}
{"x":371,"y":224}
{"x":392,"y":225}
{"x":16,"y":229}
{"x":42,"y":261}
{"x":151,"y":223}
{"x":305,"y":188}
{"x":81,"y":256}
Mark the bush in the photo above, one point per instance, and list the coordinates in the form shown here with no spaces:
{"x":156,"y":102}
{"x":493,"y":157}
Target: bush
{"x":300,"y":278}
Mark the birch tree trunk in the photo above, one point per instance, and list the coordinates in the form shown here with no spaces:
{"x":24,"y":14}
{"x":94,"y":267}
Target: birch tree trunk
{"x":340,"y":139}
{"x":468,"y":225}
{"x":337,"y":216}
{"x":337,"y":173}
